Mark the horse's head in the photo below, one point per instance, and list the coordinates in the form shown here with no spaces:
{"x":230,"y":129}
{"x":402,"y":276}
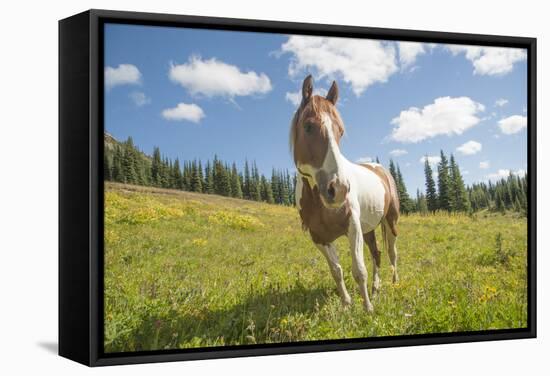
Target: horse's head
{"x":315,"y":137}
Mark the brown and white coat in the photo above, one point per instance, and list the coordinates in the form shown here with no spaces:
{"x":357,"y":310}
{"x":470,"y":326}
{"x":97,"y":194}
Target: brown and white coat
{"x":336,"y":197}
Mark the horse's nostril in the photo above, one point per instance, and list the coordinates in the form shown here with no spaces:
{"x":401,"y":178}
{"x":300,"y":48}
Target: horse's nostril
{"x":331,"y":192}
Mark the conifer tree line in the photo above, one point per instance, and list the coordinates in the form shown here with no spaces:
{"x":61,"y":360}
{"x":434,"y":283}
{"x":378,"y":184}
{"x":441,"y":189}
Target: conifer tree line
{"x":452,"y":195}
{"x":125,"y":163}
{"x":446,"y":191}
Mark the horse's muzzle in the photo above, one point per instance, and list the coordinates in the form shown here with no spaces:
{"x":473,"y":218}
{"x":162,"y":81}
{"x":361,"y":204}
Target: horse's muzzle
{"x":336,"y":193}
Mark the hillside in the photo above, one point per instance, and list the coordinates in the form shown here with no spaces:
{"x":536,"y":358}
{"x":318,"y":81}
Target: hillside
{"x":110,"y":143}
{"x":187,"y":269}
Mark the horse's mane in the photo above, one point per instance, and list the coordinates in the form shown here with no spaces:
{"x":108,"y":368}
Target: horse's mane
{"x":316,"y":104}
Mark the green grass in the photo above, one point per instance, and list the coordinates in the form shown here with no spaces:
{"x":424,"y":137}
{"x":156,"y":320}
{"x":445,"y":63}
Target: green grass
{"x":191,"y":270}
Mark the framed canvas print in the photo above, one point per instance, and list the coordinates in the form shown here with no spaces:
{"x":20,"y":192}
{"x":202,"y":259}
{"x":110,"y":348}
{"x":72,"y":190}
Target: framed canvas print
{"x":240,"y":187}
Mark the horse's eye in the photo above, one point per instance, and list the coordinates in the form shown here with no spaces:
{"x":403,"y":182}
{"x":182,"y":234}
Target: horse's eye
{"x":308,"y":127}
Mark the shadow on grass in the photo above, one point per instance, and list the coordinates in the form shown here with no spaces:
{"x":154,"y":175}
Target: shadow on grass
{"x":274,"y":315}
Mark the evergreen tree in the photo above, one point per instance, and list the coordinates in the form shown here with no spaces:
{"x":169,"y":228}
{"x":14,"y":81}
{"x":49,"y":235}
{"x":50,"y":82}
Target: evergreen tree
{"x":405,"y":202}
{"x":107,"y":168}
{"x":393,"y":172}
{"x":201,"y":176}
{"x":444,"y":184}
{"x":431,"y":194}
{"x":235,"y":182}
{"x":176,"y":175}
{"x":246,"y":183}
{"x":421,"y":203}
{"x":156,"y":167}
{"x":222,"y":184}
{"x":196,"y":181}
{"x":170,"y":174}
{"x":209,"y":179}
{"x":229,"y":177}
{"x":460,"y":196}
{"x":266,"y":192}
{"x":165,"y":173}
{"x":275,"y":187}
{"x":118,"y":174}
{"x":128,"y":163}
{"x":186,"y":176}
{"x":142,"y":169}
{"x":283,"y":188}
{"x":256,"y":191}
{"x":500,"y":206}
{"x":241,"y":179}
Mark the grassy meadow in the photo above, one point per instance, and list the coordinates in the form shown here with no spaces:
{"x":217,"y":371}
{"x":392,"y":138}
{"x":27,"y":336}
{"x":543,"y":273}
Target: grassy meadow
{"x":189,"y":270}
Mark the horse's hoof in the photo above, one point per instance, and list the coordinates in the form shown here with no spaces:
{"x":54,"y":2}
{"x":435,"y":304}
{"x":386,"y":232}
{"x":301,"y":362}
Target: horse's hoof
{"x":368,"y":307}
{"x":346,"y":301}
{"x":395,"y":278}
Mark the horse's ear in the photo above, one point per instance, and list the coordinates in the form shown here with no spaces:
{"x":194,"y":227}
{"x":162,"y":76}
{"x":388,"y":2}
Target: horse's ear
{"x":333,"y":93}
{"x":307,"y":89}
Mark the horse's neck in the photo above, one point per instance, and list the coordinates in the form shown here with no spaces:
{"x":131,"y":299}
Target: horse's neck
{"x":342,"y":161}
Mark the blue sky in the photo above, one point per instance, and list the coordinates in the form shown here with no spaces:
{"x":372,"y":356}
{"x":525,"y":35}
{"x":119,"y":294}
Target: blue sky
{"x":196,"y":93}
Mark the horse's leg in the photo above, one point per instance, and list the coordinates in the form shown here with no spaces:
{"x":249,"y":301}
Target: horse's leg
{"x":370,"y":239}
{"x":329,"y":251}
{"x":355,"y":236}
{"x":392,"y":250}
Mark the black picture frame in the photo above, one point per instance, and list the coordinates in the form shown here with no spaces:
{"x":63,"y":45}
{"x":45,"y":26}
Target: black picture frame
{"x":81,"y":186}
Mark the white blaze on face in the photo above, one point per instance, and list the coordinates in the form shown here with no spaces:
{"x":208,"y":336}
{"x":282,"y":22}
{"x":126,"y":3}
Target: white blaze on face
{"x":332,"y":162}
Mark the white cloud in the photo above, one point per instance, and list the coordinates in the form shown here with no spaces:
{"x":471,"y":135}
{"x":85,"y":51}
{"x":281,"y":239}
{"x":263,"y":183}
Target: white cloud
{"x":398,"y":152}
{"x":183,"y":111}
{"x":484,"y":165}
{"x":469,"y":148}
{"x":504,"y":173}
{"x":124,"y":74}
{"x":501,"y":102}
{"x":445,"y":116}
{"x":139,"y":98}
{"x":295,"y":97}
{"x":215,"y":78}
{"x":358,"y":62}
{"x":364,"y":160}
{"x":432,"y":159}
{"x":409,"y":51}
{"x":512,"y":124}
{"x":490,"y":60}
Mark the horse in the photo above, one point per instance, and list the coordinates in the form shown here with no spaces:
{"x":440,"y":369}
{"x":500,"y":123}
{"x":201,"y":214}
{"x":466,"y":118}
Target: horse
{"x":336,"y":197}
